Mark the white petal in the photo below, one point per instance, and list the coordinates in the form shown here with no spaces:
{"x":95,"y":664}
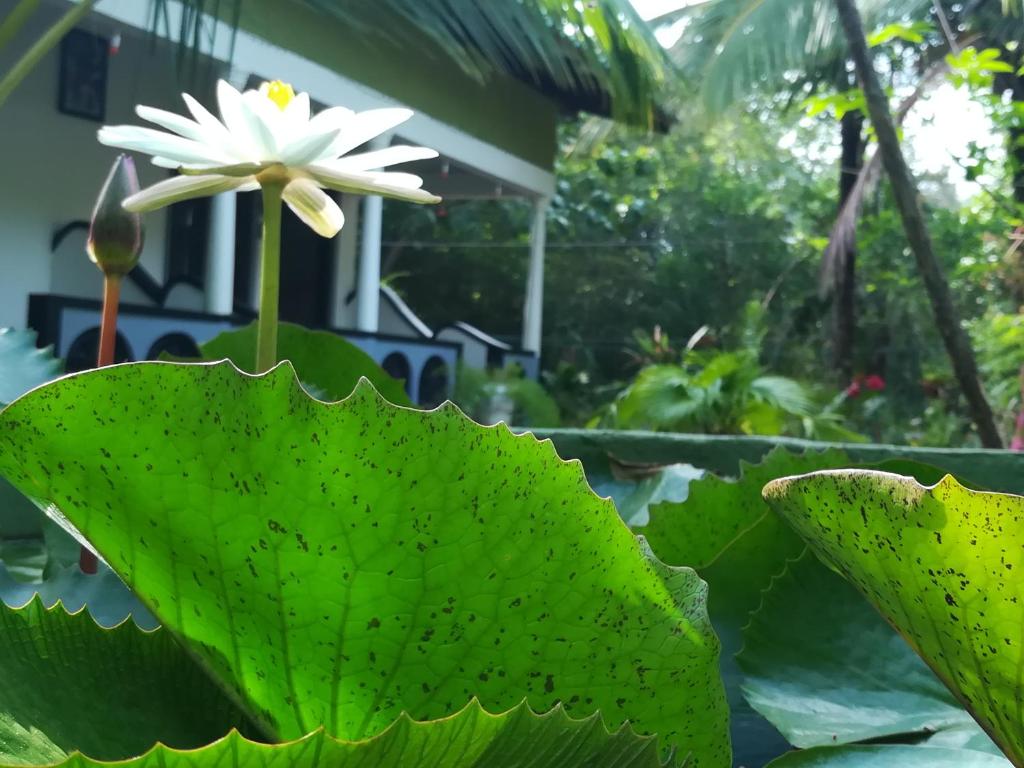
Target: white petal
{"x":307,"y":148}
{"x":266,"y":121}
{"x":180,"y":188}
{"x":297,"y":112}
{"x":382,"y":158}
{"x":214,"y":128}
{"x":152,"y":142}
{"x":182,"y":126}
{"x":368,"y":125}
{"x":401,"y":186}
{"x":396,"y":180}
{"x":330,"y":119}
{"x":311,"y":204}
{"x":237,"y":120}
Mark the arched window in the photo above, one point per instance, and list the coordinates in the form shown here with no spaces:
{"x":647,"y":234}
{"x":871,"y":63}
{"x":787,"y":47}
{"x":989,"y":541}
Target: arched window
{"x":176,"y":344}
{"x":83,"y":350}
{"x":434,"y":382}
{"x":397,"y":366}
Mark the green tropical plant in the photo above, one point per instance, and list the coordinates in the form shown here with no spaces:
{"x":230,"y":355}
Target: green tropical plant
{"x":722,"y":392}
{"x":713,"y":392}
{"x":352,"y":576}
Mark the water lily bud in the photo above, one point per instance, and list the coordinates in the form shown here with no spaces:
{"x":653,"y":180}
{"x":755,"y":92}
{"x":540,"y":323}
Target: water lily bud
{"x":115,"y":235}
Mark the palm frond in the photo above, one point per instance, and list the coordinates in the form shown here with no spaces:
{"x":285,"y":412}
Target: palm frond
{"x":597,"y":56}
{"x":737,"y":46}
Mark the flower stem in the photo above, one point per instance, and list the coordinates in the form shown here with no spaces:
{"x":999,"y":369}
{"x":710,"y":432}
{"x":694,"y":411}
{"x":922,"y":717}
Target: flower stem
{"x":108,"y":322}
{"x":87,"y":561}
{"x":270,"y":279}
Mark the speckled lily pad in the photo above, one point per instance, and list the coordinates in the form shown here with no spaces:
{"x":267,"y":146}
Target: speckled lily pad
{"x":337,"y":565}
{"x":943,"y":564}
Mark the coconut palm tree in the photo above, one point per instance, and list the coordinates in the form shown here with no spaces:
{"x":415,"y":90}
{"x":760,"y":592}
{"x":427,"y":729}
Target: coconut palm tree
{"x":734,"y":48}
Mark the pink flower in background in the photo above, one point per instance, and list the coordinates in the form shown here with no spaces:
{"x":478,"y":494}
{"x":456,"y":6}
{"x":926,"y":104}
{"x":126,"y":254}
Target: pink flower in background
{"x":854,"y":389}
{"x":875,"y":383}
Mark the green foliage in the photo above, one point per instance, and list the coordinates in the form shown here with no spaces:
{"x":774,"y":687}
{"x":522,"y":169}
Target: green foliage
{"x":324,"y":362}
{"x":976,"y":69}
{"x":722,"y":392}
{"x":913,"y":32}
{"x":338,"y":565}
{"x":941,"y":565}
{"x":836,"y":104}
{"x":717,"y":393}
{"x":735,"y":48}
{"x":999,"y":340}
{"x":483,"y":394}
{"x":678,"y":231}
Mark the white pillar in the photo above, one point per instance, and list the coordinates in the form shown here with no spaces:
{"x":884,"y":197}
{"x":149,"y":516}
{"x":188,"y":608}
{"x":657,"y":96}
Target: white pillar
{"x":533,"y":307}
{"x":368,"y":288}
{"x":346,"y":251}
{"x":220,"y":255}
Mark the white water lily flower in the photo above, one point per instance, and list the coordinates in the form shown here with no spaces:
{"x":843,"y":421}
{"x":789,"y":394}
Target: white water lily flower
{"x":269,"y":137}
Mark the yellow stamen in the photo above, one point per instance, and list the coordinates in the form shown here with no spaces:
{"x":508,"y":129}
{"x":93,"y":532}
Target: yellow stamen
{"x":278,"y":92}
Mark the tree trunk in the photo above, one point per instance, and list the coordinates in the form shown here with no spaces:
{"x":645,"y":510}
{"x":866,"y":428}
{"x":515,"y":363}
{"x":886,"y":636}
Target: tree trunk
{"x":844,"y":309}
{"x":904,"y":191}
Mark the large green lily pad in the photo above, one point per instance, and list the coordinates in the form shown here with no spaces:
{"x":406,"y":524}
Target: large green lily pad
{"x":889,"y":756}
{"x":825,"y":668}
{"x":22,"y":367}
{"x":339,"y":564}
{"x":472,"y":738}
{"x":69,"y":684}
{"x":726,"y":531}
{"x":942,"y":564}
{"x":633,"y":497}
{"x":325,"y":362}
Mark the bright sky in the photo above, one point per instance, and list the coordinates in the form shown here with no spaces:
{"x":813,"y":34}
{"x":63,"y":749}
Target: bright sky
{"x":939,"y":128}
{"x":651,"y":8}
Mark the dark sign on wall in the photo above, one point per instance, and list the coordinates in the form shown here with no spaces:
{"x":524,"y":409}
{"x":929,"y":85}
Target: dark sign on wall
{"x":83,"y":75}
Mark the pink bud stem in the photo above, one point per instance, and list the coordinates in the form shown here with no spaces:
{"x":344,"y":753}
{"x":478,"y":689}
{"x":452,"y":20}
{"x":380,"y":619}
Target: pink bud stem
{"x":108,"y":342}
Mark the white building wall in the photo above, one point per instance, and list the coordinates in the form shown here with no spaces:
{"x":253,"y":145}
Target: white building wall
{"x":52,"y":168}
